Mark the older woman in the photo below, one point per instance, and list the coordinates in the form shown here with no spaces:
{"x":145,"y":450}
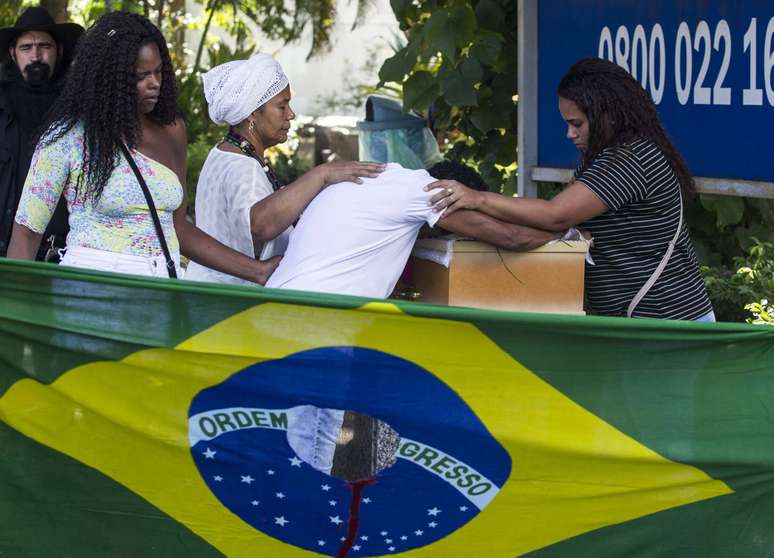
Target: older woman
{"x":239,"y":200}
{"x":117,"y":113}
{"x":628,"y":192}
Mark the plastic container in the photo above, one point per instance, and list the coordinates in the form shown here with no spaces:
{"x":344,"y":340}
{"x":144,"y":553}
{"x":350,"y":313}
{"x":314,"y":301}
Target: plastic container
{"x":389,"y":135}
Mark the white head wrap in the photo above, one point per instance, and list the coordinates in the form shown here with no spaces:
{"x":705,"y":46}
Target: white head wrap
{"x":235,"y":89}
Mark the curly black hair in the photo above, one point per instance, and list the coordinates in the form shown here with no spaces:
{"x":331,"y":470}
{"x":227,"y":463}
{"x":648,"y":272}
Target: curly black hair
{"x":619,"y":111}
{"x":100,"y":93}
{"x":454,"y":170}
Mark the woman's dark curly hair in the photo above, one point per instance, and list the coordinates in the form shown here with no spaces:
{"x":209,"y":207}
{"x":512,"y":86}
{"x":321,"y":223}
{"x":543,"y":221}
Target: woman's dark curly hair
{"x":100,"y":92}
{"x":619,"y":111}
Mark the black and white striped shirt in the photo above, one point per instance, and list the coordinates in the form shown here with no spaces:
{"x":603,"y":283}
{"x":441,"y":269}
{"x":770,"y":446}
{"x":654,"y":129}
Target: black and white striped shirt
{"x":642,"y":193}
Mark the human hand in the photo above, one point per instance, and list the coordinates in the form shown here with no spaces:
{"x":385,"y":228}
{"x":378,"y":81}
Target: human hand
{"x":349,"y":171}
{"x":453,"y":195}
{"x":574,"y":233}
{"x":264,"y":269}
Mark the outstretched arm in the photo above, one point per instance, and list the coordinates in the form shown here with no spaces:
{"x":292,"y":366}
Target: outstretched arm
{"x":205,"y":250}
{"x":575,"y":204}
{"x":507,"y":236}
{"x":276,"y":212}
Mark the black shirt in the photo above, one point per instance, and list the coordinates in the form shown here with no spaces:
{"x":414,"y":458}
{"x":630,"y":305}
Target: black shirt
{"x":637,"y":183}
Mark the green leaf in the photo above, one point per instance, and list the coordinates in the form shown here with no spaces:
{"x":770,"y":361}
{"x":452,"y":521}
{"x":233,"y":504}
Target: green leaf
{"x":700,"y":220}
{"x":495,"y":108}
{"x":442,"y":114}
{"x":439,"y":35}
{"x":756,"y":230}
{"x":490,"y":174}
{"x":486,"y":118}
{"x":728,"y":209}
{"x":458,"y":90}
{"x":486,"y":47}
{"x":419,"y":91}
{"x":490,"y":15}
{"x":471,"y":70}
{"x":400,"y":8}
{"x":501,"y":146}
{"x":398,"y":65}
{"x":462,"y":25}
{"x":509,"y":186}
{"x":765,"y":207}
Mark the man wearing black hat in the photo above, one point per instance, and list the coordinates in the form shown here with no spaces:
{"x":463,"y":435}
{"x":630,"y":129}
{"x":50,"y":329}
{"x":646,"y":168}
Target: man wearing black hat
{"x":35,"y":54}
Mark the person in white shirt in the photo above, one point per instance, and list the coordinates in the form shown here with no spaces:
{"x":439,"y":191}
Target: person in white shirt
{"x":355,"y":238}
{"x":239,"y":200}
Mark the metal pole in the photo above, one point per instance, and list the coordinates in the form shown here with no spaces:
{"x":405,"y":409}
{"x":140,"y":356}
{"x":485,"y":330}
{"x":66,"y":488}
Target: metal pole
{"x":527,"y":86}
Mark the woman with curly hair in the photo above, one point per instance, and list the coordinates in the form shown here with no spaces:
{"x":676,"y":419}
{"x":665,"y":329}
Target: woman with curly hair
{"x":628,"y":191}
{"x":119,"y":101}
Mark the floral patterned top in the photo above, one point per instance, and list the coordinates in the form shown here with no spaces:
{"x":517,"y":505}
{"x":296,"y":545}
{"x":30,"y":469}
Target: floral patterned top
{"x":119,"y":221}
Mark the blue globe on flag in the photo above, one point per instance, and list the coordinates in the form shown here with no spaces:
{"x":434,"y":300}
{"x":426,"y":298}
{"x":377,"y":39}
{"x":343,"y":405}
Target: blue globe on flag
{"x":446,"y":469}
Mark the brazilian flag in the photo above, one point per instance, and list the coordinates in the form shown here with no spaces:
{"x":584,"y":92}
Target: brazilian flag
{"x":157,"y":418}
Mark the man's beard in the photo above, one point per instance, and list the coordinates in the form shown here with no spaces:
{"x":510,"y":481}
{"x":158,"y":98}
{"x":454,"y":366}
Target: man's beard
{"x":38,"y":74}
{"x":29,"y":101}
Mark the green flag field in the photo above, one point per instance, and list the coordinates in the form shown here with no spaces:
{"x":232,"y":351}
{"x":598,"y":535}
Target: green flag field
{"x":161,"y":418}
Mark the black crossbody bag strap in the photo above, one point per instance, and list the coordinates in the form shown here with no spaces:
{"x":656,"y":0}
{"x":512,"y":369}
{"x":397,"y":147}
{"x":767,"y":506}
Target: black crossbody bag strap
{"x":154,"y":214}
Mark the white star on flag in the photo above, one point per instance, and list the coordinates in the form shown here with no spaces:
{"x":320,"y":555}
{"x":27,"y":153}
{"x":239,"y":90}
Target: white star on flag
{"x":321,"y":543}
{"x":432,"y":524}
{"x":295,"y":461}
{"x":419,"y":532}
{"x":433,"y":511}
{"x":364,"y":538}
{"x":247,"y":479}
{"x":343,"y":539}
{"x":387,"y":541}
{"x":404,"y":538}
{"x":463,"y":508}
{"x":209,"y":454}
{"x":270,"y":472}
{"x":391,"y":549}
{"x":332,"y":502}
{"x":366,"y":500}
{"x":255,"y":502}
{"x":217,"y":478}
{"x":383,"y":533}
{"x":325,"y":487}
{"x":280,"y":495}
{"x":280,"y":520}
{"x":336,"y":519}
{"x":356,"y":547}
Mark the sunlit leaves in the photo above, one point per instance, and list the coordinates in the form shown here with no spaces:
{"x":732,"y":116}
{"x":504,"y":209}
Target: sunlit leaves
{"x":419,"y":91}
{"x":461,"y":58}
{"x":401,"y":63}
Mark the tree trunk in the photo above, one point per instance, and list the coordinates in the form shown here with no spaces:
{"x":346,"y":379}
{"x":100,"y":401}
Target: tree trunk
{"x":212,"y":5}
{"x":57,"y":9}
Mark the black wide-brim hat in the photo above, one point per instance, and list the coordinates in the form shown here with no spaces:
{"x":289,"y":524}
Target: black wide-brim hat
{"x":38,"y":19}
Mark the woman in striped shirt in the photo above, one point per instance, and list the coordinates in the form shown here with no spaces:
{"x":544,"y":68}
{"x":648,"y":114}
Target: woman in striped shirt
{"x":628,"y":191}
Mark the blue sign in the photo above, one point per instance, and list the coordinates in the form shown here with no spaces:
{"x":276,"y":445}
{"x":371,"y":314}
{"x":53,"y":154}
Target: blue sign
{"x":708,"y":65}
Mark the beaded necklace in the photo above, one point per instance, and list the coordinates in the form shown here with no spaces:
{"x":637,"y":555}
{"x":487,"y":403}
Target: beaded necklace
{"x":243,"y":144}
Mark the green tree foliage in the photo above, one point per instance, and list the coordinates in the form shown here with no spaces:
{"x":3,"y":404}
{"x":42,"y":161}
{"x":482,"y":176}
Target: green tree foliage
{"x":733,"y":238}
{"x":458,"y":67}
{"x":748,"y":284}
